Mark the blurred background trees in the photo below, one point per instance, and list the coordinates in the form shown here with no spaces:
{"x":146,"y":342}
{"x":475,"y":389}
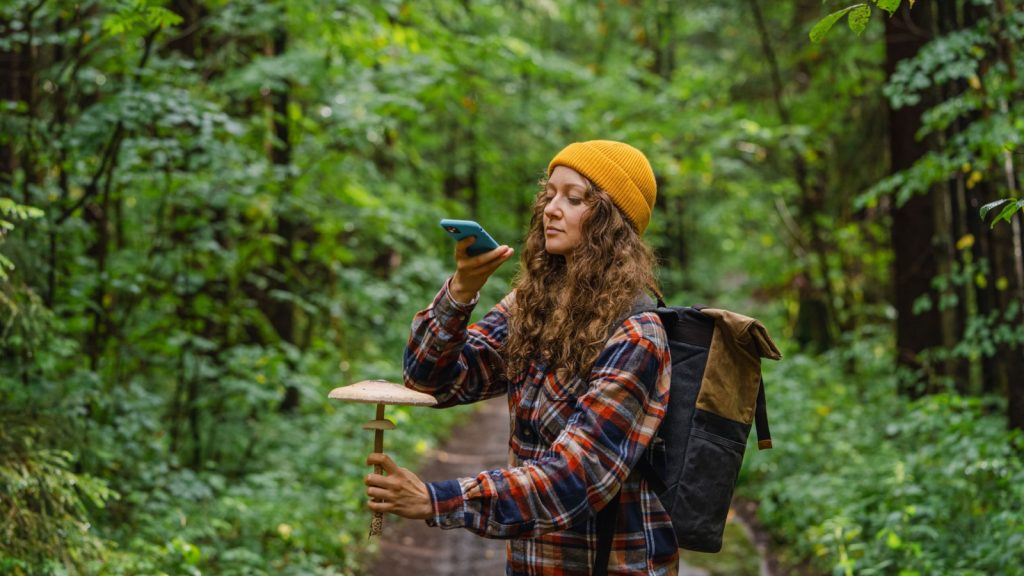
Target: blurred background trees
{"x":213,"y":212}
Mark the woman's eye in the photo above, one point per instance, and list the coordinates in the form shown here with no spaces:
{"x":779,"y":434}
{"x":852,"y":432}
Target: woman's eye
{"x":575,"y":201}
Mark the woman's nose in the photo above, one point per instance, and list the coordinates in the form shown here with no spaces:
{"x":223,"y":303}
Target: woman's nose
{"x":552,"y":208}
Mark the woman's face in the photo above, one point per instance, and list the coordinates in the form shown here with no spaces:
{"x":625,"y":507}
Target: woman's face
{"x":565,"y":210}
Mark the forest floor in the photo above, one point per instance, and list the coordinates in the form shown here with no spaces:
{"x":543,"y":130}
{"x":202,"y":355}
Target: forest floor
{"x":481,"y":443}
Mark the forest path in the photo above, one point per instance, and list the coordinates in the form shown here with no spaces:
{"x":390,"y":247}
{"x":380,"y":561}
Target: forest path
{"x":410,"y":547}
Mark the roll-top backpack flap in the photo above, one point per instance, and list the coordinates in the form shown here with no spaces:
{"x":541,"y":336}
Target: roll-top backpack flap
{"x":732,"y":379}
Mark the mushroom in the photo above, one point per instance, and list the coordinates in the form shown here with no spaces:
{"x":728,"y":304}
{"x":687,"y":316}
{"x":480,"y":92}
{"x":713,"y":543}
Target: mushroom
{"x":381,"y":393}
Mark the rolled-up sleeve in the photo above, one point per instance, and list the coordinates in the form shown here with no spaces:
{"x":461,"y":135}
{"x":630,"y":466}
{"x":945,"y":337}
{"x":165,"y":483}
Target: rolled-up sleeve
{"x":455,"y":362}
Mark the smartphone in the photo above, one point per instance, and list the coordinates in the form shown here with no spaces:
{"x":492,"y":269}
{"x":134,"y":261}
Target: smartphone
{"x":459,"y":229}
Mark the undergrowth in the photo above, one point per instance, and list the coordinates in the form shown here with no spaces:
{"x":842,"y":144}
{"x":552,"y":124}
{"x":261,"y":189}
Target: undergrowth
{"x":865,"y":481}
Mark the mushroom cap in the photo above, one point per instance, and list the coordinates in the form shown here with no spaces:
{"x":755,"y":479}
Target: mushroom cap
{"x":382,"y":392}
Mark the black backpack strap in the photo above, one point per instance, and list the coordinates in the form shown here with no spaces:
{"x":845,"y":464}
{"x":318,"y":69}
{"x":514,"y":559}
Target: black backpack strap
{"x":605,"y":531}
{"x":764,"y":436}
{"x":647,"y":472}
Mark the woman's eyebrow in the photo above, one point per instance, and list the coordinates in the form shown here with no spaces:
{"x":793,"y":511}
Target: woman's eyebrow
{"x":580,"y":187}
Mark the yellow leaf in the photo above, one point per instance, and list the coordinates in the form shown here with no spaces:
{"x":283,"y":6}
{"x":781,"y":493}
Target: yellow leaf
{"x":965,"y":242}
{"x":980,"y":280}
{"x":284,"y":530}
{"x":974,"y":81}
{"x":973,"y":179}
{"x":1002,"y":283}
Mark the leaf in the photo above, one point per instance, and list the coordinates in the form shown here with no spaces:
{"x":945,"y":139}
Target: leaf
{"x":965,"y":242}
{"x":820,"y":29}
{"x":992,"y":205}
{"x":889,"y":6}
{"x":1012,"y":206}
{"x":162,"y":17}
{"x":1008,"y":212}
{"x":859,"y":18}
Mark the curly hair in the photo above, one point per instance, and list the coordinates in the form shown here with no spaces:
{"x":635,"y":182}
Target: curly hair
{"x":562,"y":311}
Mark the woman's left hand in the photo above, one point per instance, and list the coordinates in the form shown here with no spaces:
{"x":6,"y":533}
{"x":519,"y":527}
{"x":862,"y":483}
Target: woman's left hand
{"x":399,"y":492}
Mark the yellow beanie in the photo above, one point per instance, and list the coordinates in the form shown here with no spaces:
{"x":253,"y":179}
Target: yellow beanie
{"x":620,"y":170}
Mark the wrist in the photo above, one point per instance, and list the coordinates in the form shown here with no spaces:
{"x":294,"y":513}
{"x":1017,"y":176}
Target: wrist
{"x":458,"y":293}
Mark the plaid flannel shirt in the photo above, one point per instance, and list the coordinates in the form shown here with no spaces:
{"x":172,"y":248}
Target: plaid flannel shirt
{"x":573,"y":444}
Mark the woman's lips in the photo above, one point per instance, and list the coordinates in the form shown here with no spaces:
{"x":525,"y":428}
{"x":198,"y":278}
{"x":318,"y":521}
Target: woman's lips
{"x":550,"y":231}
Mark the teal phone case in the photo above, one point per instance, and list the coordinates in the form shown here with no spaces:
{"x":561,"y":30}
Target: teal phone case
{"x":459,"y":229}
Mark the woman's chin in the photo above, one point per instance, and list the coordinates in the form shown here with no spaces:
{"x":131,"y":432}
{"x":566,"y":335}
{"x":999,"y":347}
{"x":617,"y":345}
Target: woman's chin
{"x":554,"y":249}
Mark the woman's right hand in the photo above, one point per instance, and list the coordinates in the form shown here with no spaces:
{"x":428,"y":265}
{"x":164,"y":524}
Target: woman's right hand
{"x":472,"y":272}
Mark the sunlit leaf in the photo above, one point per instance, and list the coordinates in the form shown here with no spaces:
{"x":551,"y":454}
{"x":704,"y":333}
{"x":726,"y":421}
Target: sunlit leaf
{"x":889,"y":6}
{"x":859,"y":18}
{"x":820,"y":30}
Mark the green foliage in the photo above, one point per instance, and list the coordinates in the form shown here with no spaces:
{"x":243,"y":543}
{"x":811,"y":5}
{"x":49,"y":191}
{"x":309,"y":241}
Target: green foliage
{"x":1010,"y":206}
{"x":46,"y":504}
{"x":131,"y":14}
{"x":234,"y":209}
{"x":858,"y":17}
{"x":983,"y":105}
{"x":865,"y":481}
{"x":11,"y":210}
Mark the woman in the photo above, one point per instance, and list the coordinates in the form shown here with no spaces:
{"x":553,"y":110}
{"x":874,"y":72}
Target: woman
{"x":587,"y":383}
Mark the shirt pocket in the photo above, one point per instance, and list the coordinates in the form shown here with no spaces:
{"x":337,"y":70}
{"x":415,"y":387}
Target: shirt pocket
{"x":556,"y":405}
{"x":560,"y":389}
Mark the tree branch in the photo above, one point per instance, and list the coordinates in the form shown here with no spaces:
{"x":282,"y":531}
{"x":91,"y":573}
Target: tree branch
{"x":114,"y":145}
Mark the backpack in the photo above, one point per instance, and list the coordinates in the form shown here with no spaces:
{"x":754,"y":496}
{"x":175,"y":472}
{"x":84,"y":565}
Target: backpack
{"x":716,"y":394}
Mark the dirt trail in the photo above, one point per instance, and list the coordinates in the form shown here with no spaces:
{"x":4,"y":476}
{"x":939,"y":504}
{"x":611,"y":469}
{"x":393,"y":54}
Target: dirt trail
{"x":411,"y":548}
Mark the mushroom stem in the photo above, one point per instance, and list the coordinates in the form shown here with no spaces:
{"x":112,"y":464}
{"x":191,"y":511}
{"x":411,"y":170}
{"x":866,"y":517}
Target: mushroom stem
{"x":377,"y":524}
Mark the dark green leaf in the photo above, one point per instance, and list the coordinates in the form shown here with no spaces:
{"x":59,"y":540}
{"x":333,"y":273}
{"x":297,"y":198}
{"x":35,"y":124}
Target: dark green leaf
{"x":992,"y":205}
{"x":1008,"y":212}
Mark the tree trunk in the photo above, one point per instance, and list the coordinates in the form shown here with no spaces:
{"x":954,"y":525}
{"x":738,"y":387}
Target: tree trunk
{"x":816,"y":317}
{"x":11,"y":69}
{"x":281,"y":313}
{"x":915,"y":261}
